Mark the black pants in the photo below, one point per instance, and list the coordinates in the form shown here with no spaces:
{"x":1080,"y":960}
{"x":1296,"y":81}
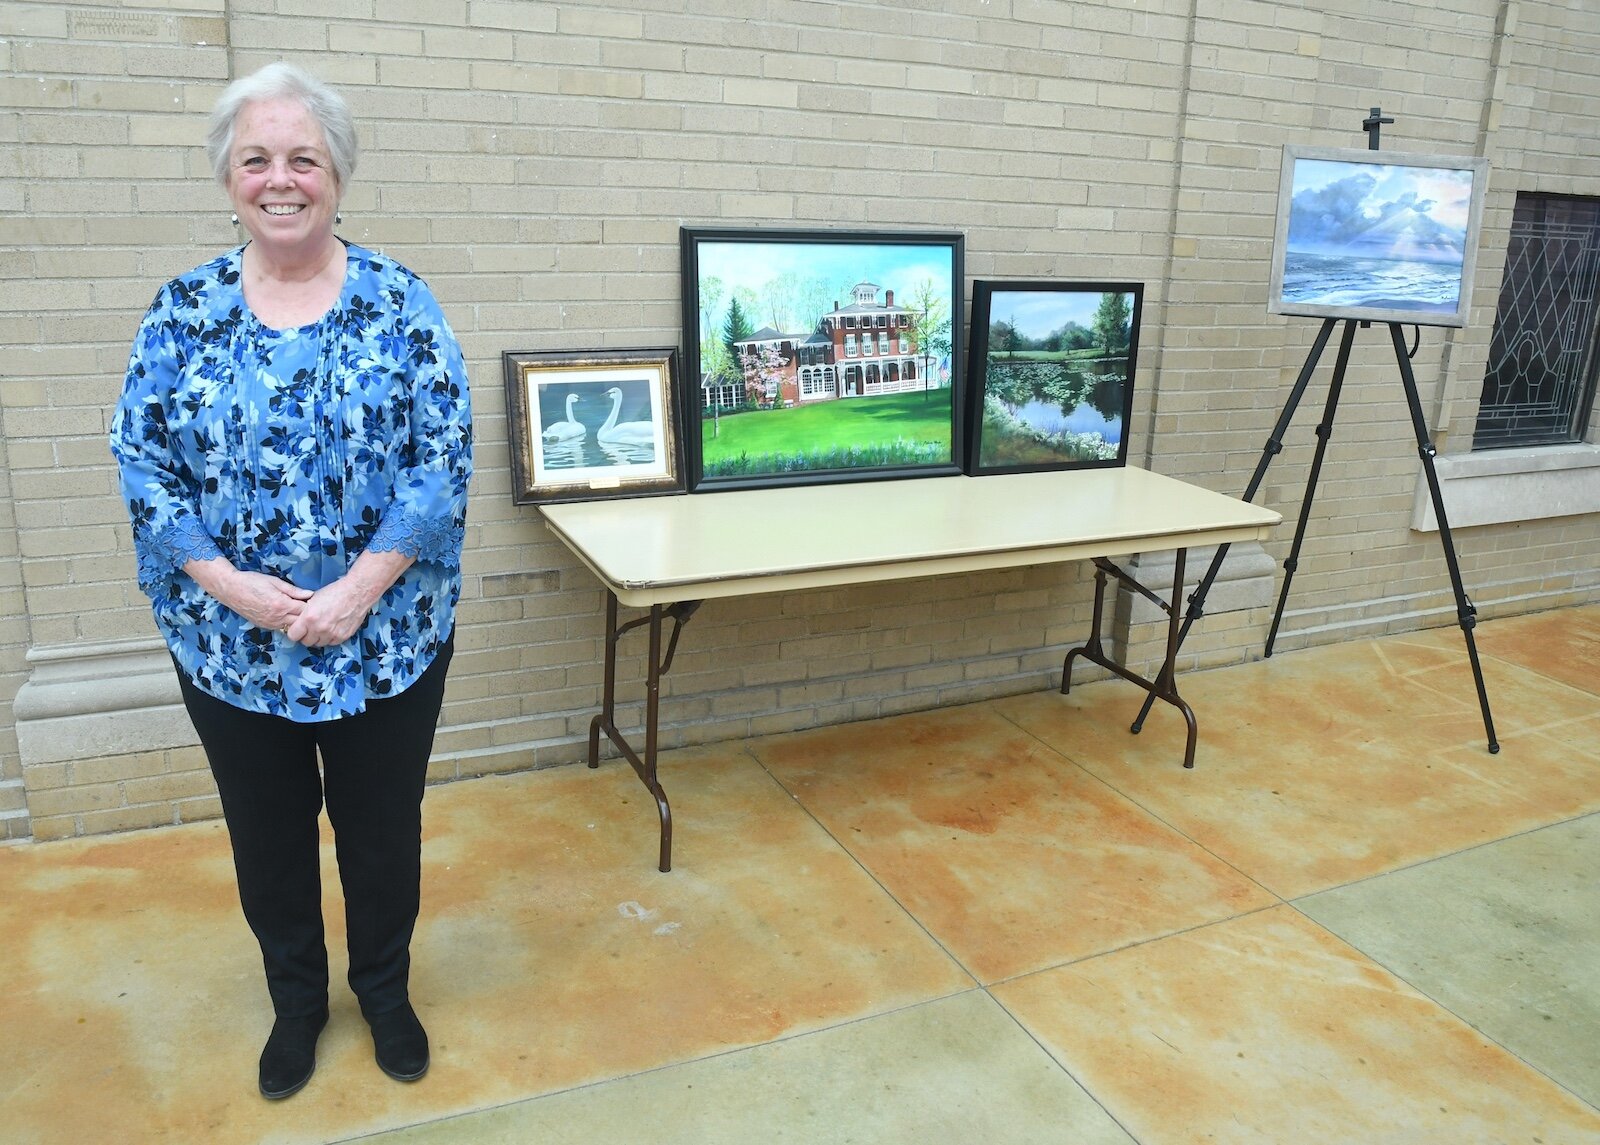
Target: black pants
{"x":374,"y":766}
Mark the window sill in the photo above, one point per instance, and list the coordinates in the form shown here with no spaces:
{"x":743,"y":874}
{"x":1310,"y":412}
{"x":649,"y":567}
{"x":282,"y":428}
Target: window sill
{"x":1499,"y":486}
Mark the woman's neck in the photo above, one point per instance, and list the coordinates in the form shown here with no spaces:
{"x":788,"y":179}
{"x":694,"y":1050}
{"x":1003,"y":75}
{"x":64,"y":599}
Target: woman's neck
{"x":285,"y":292}
{"x":292,"y":268}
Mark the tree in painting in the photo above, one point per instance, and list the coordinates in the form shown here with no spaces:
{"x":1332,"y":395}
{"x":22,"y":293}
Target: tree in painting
{"x":1111,"y":330}
{"x":710,"y":298}
{"x":764,"y":369}
{"x":735,"y":328}
{"x":931,"y":323}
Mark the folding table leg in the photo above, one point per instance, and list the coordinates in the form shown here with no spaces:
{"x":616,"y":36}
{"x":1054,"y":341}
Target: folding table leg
{"x":644,"y":765}
{"x":1165,"y":685}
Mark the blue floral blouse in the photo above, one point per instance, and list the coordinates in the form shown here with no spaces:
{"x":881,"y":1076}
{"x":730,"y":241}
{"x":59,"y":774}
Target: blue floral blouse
{"x":290,"y":452}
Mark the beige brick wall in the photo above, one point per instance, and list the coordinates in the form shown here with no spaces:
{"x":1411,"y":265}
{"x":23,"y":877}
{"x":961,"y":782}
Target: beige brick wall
{"x":13,"y":670}
{"x":534,"y":162}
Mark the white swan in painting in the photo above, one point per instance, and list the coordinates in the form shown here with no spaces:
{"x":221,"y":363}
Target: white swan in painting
{"x":566,"y":430}
{"x":629,"y":432}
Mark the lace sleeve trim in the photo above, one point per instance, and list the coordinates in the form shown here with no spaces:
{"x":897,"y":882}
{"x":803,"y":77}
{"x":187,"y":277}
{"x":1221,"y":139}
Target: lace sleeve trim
{"x":435,"y":539}
{"x":161,"y":554}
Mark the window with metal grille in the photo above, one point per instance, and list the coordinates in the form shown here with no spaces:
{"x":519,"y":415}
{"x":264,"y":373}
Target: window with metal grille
{"x":1540,"y":383}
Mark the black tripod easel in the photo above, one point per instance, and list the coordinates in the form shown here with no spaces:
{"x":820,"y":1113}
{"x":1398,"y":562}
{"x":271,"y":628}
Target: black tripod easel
{"x":1466,"y":614}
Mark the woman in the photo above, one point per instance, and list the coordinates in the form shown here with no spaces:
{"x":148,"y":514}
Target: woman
{"x":294,"y":444}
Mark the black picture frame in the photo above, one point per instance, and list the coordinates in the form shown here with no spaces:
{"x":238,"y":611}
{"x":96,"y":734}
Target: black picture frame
{"x":851,"y":368}
{"x":586,"y":425}
{"x":1036,"y":346}
{"x":1376,"y":236}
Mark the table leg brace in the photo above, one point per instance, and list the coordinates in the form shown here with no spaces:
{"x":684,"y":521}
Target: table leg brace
{"x":1165,"y":685}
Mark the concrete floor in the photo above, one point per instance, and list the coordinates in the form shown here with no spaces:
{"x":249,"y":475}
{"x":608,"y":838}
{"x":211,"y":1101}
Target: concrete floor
{"x":1006,"y":922}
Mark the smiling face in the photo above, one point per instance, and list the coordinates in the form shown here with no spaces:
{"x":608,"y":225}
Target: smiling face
{"x":280,"y":177}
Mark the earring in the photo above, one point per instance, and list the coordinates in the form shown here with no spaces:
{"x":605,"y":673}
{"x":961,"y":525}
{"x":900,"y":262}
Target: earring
{"x":338,"y":218}
{"x":234,"y":219}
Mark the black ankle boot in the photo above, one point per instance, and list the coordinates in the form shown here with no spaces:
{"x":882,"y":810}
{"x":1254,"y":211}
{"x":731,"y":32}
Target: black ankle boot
{"x":290,"y":1056}
{"x":399,"y":1043}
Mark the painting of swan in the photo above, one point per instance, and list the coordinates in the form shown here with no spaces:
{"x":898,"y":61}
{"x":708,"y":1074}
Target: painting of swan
{"x":565,"y":446}
{"x":566,"y":430}
{"x":625,"y":433}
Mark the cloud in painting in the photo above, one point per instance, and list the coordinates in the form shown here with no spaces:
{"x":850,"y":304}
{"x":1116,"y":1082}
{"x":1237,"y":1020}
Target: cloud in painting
{"x":1408,"y":214}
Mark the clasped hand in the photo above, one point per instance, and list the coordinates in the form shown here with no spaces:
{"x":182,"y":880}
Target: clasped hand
{"x":326,"y":616}
{"x":316,"y":619}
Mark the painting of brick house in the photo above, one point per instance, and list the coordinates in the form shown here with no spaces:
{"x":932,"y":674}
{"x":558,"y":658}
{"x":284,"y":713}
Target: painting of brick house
{"x":865,"y":348}
{"x":817,"y":353}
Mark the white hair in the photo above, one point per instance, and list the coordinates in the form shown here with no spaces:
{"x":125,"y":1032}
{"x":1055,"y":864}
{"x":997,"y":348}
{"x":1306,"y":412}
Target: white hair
{"x":285,"y":81}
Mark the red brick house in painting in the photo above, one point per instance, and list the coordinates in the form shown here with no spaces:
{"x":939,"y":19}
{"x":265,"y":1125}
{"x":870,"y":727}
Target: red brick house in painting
{"x":860,"y":350}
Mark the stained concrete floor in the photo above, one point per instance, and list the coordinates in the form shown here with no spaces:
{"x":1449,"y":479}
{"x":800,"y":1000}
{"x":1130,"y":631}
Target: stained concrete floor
{"x":1005,"y":922}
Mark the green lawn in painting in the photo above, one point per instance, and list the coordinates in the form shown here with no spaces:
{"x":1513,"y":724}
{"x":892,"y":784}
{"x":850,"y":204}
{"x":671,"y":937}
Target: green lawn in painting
{"x":1088,"y":355}
{"x":893,"y":429}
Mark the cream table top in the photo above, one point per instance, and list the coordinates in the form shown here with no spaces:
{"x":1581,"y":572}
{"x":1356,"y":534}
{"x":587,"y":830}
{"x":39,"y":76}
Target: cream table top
{"x":660,"y":550}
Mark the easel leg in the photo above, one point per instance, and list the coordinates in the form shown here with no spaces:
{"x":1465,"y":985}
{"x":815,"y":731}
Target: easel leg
{"x":1273,"y":447}
{"x":1324,"y":431}
{"x":1464,"y":611}
{"x":1466,"y":614}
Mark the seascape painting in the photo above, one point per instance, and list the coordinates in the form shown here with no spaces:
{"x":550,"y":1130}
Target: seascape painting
{"x":1052,"y":374}
{"x":1378,"y":237}
{"x":820,"y":356}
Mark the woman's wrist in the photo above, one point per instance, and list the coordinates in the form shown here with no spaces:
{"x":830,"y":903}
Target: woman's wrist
{"x":212,"y":575}
{"x":373,"y":573}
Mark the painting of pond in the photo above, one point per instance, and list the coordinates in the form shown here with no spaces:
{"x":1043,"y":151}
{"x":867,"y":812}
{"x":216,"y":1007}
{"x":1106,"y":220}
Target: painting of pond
{"x":1055,"y":365}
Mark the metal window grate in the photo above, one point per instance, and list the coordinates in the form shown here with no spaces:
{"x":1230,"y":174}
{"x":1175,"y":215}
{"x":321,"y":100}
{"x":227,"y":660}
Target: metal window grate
{"x":1540,"y":383}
